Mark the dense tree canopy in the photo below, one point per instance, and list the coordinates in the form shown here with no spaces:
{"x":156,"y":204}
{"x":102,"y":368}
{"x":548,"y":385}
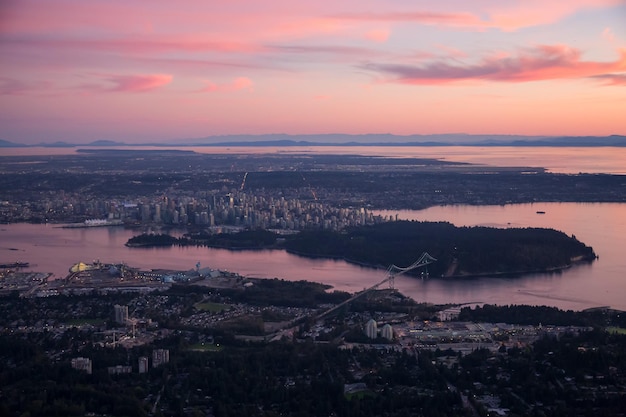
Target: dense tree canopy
{"x":460,"y":251}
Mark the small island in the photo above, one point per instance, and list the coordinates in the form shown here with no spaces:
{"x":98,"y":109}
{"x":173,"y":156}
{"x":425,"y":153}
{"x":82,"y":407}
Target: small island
{"x":151,"y":240}
{"x":460,"y":251}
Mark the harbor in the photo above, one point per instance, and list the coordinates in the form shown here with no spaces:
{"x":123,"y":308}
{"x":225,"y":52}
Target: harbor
{"x":106,"y":278}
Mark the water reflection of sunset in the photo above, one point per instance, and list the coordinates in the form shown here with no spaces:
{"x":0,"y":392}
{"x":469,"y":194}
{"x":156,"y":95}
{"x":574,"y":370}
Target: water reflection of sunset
{"x":599,"y":225}
{"x":570,"y":160}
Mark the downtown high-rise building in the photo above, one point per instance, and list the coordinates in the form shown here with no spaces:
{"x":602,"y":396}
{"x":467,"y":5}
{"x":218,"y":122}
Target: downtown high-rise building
{"x":121,"y":313}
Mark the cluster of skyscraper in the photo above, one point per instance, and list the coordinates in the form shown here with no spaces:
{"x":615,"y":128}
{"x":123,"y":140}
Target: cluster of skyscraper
{"x":244,"y":210}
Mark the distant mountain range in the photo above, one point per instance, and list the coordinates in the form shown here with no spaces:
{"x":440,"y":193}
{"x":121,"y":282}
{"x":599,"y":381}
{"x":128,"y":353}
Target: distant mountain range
{"x":284,"y":140}
{"x":7,"y":144}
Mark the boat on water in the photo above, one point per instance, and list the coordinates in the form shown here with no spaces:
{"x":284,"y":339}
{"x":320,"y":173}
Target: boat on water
{"x":94,"y":223}
{"x":541,"y":212}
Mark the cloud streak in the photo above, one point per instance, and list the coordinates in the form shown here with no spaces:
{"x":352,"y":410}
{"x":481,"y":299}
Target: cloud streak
{"x":119,"y":83}
{"x":547,"y":62}
{"x":138,"y":83}
{"x":237,"y":84}
{"x":134,"y":45}
{"x":432,"y":18}
{"x":612,"y":79}
{"x":14,"y":87}
{"x":506,"y":16}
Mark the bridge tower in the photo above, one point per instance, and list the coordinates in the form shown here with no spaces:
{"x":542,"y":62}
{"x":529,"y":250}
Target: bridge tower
{"x":393,"y":270}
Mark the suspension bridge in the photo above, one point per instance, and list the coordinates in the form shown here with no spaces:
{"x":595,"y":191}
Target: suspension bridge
{"x":392,"y":272}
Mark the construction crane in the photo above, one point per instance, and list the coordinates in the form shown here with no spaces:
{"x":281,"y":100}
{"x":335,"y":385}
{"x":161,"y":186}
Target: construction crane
{"x":392,"y":272}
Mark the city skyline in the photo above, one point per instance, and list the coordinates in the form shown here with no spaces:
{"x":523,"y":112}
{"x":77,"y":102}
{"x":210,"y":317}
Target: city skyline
{"x":110,"y":70}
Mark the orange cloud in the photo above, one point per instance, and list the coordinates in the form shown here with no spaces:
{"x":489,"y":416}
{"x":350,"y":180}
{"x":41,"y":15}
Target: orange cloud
{"x":547,"y":62}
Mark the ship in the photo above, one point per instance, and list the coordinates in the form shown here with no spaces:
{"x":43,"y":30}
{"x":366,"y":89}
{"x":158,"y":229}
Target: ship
{"x":94,"y":223}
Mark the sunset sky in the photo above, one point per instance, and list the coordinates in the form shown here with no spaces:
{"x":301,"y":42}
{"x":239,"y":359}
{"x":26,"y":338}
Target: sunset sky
{"x":146,"y":71}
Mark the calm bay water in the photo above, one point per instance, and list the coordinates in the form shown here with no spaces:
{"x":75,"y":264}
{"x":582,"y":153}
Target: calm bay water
{"x":570,"y":160}
{"x":602,"y":283}
{"x":602,"y":226}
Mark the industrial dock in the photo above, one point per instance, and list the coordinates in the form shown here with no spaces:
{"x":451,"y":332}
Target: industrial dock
{"x":104,"y":278}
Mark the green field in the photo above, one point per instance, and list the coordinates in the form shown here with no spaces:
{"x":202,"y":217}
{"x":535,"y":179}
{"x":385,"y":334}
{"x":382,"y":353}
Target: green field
{"x":616,"y":330}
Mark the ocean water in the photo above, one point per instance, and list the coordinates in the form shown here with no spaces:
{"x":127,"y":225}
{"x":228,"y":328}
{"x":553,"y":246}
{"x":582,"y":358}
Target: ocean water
{"x":600,"y":225}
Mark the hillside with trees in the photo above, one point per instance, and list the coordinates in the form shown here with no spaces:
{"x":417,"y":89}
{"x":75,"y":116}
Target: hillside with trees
{"x":460,"y":251}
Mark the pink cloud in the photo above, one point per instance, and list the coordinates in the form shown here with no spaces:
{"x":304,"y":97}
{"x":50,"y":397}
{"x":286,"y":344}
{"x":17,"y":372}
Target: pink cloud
{"x":608,"y":34}
{"x":237,"y":21}
{"x":452,"y":52}
{"x":237,"y":84}
{"x":136,"y":45}
{"x":506,"y":16}
{"x":520,"y":14}
{"x":612,"y":79}
{"x":15,"y":87}
{"x":128,"y":83}
{"x":338,"y":51}
{"x":541,"y":63}
{"x":378,"y":35}
{"x":240,"y":21}
{"x":138,"y":83}
{"x":433,"y":18}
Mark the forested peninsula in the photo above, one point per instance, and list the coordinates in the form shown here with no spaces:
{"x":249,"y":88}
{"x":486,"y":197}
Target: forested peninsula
{"x":460,"y":251}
